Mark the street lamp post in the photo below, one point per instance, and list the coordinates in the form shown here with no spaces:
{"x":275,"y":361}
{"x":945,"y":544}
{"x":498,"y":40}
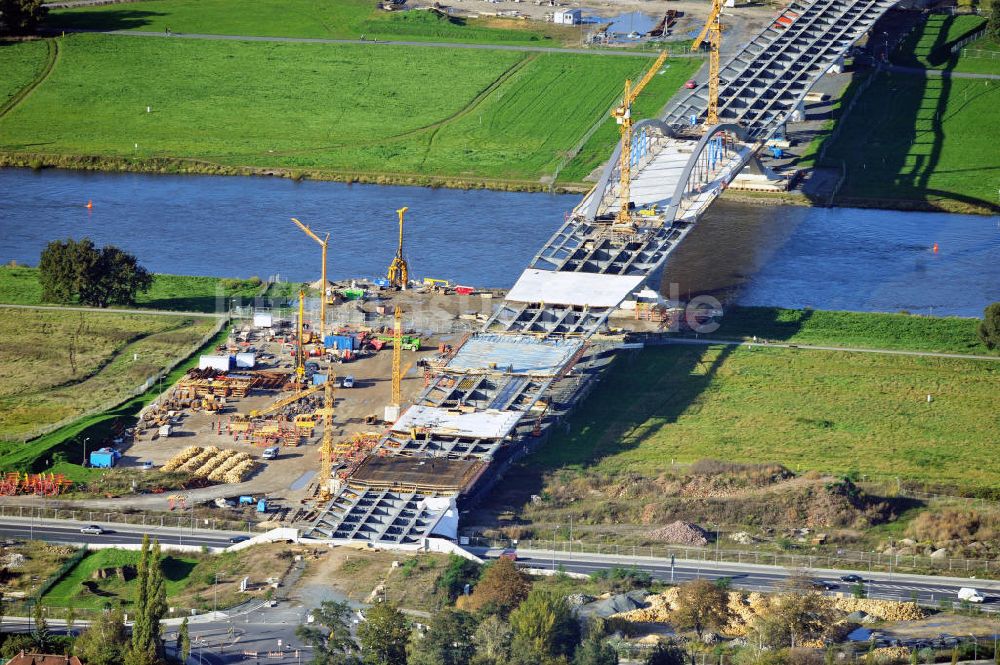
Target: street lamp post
{"x":975,"y":647}
{"x":85,"y":440}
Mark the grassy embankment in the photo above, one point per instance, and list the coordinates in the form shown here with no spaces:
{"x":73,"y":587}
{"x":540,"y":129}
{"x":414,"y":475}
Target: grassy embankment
{"x":184,"y":293}
{"x":349,"y":112}
{"x":835,"y":412}
{"x":24,"y":62}
{"x":344,"y":19}
{"x":918,"y":141}
{"x":61,"y":364}
{"x":190,"y":578}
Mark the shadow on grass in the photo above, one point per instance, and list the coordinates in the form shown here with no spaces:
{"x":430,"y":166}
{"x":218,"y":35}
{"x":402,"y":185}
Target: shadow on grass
{"x":98,"y":20}
{"x":891,"y":142}
{"x":206,"y":304}
{"x":175,"y":569}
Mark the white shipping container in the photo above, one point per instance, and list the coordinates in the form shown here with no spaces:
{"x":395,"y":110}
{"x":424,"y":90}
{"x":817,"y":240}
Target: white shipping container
{"x":245,"y":360}
{"x":262,"y":320}
{"x":220,"y":363}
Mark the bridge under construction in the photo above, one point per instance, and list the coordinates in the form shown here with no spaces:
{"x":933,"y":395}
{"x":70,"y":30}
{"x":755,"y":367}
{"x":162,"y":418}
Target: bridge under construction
{"x":499,"y":393}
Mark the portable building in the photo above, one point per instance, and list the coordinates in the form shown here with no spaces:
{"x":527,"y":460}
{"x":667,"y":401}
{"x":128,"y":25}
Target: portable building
{"x":568,"y":17}
{"x":245,"y":360}
{"x":104,"y":458}
{"x":221,"y":363}
{"x":340,"y":342}
{"x":262,"y":320}
{"x":318,"y":379}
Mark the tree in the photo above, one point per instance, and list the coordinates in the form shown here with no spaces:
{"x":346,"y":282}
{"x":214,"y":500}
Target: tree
{"x":449,"y":641}
{"x":493,"y":639}
{"x":544,"y":626}
{"x":21,"y":17}
{"x":70,"y":270}
{"x":792,"y":618}
{"x":666,"y":653}
{"x":105,"y":640}
{"x":501,"y":588}
{"x":333,"y":644}
{"x":383,"y":635}
{"x":989,"y":328}
{"x":993,"y":25}
{"x":595,"y":651}
{"x":146,"y":646}
{"x":40,"y":634}
{"x":701,"y":605}
{"x":183,"y":641}
{"x":70,"y":619}
{"x":459,"y":572}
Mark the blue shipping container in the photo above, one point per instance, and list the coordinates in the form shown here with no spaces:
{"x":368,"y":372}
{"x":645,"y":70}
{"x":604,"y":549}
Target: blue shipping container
{"x":319,"y":379}
{"x":105,"y":458}
{"x":339,"y":342}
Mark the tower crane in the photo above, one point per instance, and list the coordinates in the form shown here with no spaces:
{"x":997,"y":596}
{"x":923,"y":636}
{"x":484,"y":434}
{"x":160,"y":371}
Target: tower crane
{"x":326,"y":449}
{"x":399,"y":272}
{"x":623,"y":115}
{"x":300,"y":351}
{"x":712,"y":30}
{"x":322,"y":302}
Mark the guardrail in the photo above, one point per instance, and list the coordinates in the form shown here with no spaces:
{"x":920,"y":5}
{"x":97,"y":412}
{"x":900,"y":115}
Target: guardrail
{"x":181,"y":519}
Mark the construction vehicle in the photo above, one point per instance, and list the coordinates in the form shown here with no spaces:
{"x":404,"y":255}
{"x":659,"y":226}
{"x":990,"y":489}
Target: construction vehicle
{"x":326,"y":296}
{"x":712,"y":30}
{"x":399,"y":271}
{"x":406,"y":342}
{"x":623,"y":116}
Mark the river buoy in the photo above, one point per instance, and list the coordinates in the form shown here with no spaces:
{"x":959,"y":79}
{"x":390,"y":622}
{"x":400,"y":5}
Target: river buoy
{"x":90,"y":204}
{"x":935,"y":248}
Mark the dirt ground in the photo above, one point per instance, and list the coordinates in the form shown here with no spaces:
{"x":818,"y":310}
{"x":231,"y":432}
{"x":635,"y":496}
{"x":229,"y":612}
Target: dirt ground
{"x":289,"y":478}
{"x":942,"y":624}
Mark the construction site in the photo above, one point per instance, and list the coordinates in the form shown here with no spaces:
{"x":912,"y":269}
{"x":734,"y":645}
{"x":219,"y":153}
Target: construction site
{"x":377,"y":412}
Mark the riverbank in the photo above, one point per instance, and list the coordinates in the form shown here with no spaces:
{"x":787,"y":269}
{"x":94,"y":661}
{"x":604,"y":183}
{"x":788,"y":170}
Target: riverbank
{"x":798,"y":198}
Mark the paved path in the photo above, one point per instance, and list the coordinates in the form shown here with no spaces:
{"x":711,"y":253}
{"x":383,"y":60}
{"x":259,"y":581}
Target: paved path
{"x":106,"y":310}
{"x":316,"y":40}
{"x":811,"y":347}
{"x":941,"y":73}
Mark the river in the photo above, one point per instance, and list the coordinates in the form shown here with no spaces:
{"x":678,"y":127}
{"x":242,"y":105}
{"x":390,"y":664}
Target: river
{"x":862,"y":260}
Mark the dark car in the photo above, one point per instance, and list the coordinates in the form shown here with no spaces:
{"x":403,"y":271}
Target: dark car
{"x":510,"y":554}
{"x":239,"y":539}
{"x":820,"y":585}
{"x":851,"y":578}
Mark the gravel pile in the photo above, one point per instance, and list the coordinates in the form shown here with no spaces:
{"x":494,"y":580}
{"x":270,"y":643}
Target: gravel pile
{"x":680,"y":533}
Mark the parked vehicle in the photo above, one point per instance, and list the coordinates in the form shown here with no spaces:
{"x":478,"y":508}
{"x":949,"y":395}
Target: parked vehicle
{"x":971,"y":595}
{"x":691,"y":84}
{"x":348,"y":382}
{"x":270,"y":453}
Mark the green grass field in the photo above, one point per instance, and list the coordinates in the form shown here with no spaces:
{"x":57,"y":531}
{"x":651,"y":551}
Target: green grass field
{"x":854,"y":329}
{"x":930,"y":45}
{"x":60,"y":364}
{"x":73,"y":590}
{"x":343,"y":108}
{"x":828,"y":411}
{"x":343,"y":19}
{"x":23,"y":62}
{"x":922,"y":139}
{"x":19,"y":286}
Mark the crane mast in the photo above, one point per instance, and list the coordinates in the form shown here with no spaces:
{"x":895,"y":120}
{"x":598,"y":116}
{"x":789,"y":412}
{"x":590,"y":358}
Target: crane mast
{"x":623,"y":115}
{"x":713,"y":31}
{"x":326,"y":449}
{"x":397,"y":354}
{"x":300,"y":351}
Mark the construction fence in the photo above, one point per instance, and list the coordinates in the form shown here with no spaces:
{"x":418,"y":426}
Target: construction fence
{"x":181,"y":519}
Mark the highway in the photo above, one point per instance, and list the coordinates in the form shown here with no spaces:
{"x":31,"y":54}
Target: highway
{"x":58,"y":531}
{"x":926,"y":589}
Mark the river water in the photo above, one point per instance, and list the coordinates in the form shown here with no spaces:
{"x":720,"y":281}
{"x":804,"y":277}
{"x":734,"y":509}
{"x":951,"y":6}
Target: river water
{"x":863,"y":260}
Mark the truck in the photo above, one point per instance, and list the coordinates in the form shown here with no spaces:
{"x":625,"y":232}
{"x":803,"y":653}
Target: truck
{"x":971,"y":595}
{"x":270,"y":453}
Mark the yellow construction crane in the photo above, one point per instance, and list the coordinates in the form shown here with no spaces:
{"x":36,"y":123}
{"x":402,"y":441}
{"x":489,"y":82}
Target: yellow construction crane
{"x":300,"y":350}
{"x":713,"y":30}
{"x":326,"y":450}
{"x":285,"y":401}
{"x":397,"y":354}
{"x":399,"y":272}
{"x":322,"y":301}
{"x":623,"y":115}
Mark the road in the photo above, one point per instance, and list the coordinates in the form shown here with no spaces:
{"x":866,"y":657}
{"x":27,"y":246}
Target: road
{"x":941,"y":73}
{"x":812,"y":347}
{"x":926,"y":589}
{"x":59,"y":531}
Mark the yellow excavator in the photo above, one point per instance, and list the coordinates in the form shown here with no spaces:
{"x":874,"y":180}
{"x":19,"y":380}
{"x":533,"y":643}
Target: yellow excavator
{"x":623,"y":116}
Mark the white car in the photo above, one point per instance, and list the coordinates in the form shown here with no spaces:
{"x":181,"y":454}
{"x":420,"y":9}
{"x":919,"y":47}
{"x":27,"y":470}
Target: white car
{"x":971,"y":595}
{"x":348,"y":382}
{"x":93,"y":529}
